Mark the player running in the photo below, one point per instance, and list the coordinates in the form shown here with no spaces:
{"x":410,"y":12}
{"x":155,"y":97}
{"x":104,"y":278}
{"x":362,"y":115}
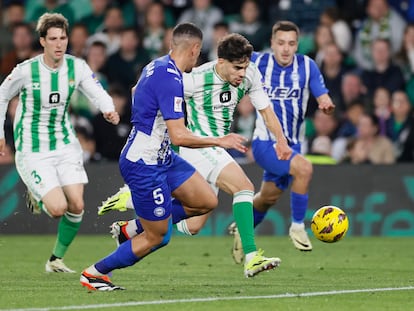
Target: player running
{"x":48,"y":154}
{"x":153,"y":171}
{"x":212,"y":92}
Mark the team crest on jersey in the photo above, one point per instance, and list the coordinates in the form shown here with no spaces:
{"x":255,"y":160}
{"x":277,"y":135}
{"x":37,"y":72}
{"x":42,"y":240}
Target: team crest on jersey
{"x":36,"y":86}
{"x":294,"y":76}
{"x":225,"y":97}
{"x":54,"y":98}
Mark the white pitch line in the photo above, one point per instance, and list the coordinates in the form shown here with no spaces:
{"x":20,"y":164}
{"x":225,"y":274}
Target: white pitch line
{"x":208,"y":299}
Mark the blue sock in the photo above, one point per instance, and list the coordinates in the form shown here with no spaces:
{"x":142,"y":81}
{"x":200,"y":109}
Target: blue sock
{"x":258,"y":216}
{"x":177,"y":211}
{"x":122,"y":257}
{"x":298,"y":205}
{"x":139,"y":226}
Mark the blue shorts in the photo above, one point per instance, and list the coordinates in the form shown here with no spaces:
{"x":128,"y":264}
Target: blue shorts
{"x":151,"y":185}
{"x":275,"y":170}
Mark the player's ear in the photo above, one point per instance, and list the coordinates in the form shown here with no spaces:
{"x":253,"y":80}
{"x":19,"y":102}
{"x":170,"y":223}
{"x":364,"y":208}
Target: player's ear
{"x":42,"y":41}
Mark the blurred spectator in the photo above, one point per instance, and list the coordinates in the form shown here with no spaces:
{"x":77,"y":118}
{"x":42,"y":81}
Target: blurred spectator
{"x":95,"y":20}
{"x":135,"y":11}
{"x":12,"y":14}
{"x":402,"y":127}
{"x":333,"y":70}
{"x":249,"y":24}
{"x":221,"y":29}
{"x":326,"y":125}
{"x":382,"y":109}
{"x":77,"y":40}
{"x":84,"y":132}
{"x":304,"y":13}
{"x":166,"y":41}
{"x":111,"y":33}
{"x":111,"y":139}
{"x":243,"y":124}
{"x":52,"y":6}
{"x":404,"y":7}
{"x":205,"y":15}
{"x":154,"y":29}
{"x":340,"y":29}
{"x":384,"y":73}
{"x":323,"y":37}
{"x":352,"y":11}
{"x":405,"y":56}
{"x":370,"y":147}
{"x":124,"y":66}
{"x":352,"y":90}
{"x":23,"y":38}
{"x":382,"y":22}
{"x":350,"y":118}
{"x":320,"y":152}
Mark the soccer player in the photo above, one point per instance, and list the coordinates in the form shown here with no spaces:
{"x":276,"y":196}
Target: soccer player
{"x":151,"y":169}
{"x":212,"y":92}
{"x":48,"y":154}
{"x":288,"y":79}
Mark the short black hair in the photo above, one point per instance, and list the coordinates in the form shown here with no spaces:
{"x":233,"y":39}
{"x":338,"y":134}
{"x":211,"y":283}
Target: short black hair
{"x":285,"y":26}
{"x":234,"y":47}
{"x":187,"y":29}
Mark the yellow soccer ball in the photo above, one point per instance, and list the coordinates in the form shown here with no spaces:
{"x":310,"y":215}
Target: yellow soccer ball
{"x":329,"y":224}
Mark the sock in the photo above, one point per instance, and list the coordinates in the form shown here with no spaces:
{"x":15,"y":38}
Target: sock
{"x":298,"y":205}
{"x":258,"y":216}
{"x":129,"y":204}
{"x":122,"y":257}
{"x":181,"y":226}
{"x":243,"y":215}
{"x":68,"y":227}
{"x":250,"y":256}
{"x":177,"y":211}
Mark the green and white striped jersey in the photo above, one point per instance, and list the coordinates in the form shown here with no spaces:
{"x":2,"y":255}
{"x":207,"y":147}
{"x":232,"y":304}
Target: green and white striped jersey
{"x":42,"y":120}
{"x":211,"y":101}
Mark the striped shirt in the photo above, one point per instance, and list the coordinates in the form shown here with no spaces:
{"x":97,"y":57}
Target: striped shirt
{"x":288,"y":88}
{"x":211,"y":101}
{"x":42,"y":122}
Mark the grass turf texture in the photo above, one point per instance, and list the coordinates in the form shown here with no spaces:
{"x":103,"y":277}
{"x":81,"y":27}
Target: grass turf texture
{"x":201,"y":267}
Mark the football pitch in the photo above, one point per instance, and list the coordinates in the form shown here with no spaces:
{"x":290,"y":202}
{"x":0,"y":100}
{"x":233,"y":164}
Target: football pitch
{"x":198,"y":273}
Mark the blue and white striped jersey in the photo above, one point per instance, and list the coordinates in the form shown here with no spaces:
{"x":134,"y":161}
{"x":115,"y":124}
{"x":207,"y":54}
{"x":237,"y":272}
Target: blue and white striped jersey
{"x":288,"y":88}
{"x":157,"y":97}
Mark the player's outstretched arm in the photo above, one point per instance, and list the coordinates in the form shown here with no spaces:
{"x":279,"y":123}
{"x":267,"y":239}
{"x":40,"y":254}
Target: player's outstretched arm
{"x":181,"y":136}
{"x":325,"y":104}
{"x":272,"y":122}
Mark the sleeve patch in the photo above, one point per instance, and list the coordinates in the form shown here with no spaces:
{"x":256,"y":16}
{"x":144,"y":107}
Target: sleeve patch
{"x":178,"y":104}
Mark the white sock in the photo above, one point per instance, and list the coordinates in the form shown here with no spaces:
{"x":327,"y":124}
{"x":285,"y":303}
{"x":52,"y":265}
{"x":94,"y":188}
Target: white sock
{"x":182,"y":227}
{"x":250,"y":256}
{"x":296,"y":225}
{"x":129,"y":204}
{"x":92,"y":270}
{"x":131,"y":228}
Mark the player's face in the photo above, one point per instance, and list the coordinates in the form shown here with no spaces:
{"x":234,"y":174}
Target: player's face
{"x":284,"y":45}
{"x":233,"y":72}
{"x":54,"y":44}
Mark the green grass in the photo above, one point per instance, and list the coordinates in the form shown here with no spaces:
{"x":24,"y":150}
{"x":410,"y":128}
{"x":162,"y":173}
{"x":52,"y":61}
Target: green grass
{"x":201,"y":267}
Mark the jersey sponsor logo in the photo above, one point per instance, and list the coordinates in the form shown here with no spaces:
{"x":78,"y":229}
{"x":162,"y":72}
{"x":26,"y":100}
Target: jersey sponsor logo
{"x":284,"y":93}
{"x":225,"y":97}
{"x":54,"y":98}
{"x":178,"y":104}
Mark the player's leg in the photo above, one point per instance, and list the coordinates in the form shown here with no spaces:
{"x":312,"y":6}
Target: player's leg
{"x":277,"y":177}
{"x":234,"y":181}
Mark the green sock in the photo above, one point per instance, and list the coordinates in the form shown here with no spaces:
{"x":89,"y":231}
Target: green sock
{"x":243,"y":215}
{"x":68,"y":227}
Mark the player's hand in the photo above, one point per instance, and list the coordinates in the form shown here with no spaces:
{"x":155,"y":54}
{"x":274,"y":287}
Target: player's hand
{"x":112,"y":117}
{"x":283,"y":151}
{"x":2,"y":146}
{"x":327,"y":108}
{"x":233,"y":141}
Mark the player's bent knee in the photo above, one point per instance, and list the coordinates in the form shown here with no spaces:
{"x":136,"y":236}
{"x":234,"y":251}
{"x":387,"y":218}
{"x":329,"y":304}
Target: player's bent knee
{"x":166,"y":238}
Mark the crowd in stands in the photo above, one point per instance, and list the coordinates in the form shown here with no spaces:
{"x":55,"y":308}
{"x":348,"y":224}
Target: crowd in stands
{"x":365,"y":50}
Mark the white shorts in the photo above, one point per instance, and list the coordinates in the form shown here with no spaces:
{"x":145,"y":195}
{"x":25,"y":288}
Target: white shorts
{"x":209,"y":162}
{"x":43,"y":171}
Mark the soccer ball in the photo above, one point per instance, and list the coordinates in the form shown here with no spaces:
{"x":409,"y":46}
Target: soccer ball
{"x":329,"y":224}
